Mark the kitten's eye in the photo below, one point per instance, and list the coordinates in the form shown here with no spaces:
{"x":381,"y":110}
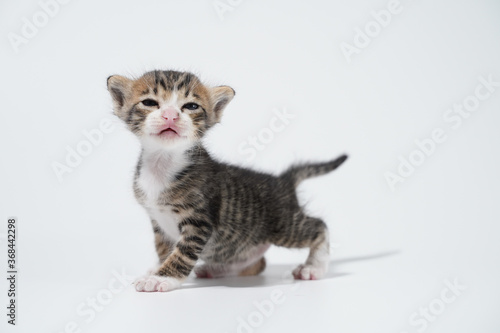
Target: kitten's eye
{"x":149,"y":102}
{"x":190,"y":106}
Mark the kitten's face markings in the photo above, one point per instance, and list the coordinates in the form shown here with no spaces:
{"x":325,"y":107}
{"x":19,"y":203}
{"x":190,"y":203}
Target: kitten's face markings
{"x":168,"y":108}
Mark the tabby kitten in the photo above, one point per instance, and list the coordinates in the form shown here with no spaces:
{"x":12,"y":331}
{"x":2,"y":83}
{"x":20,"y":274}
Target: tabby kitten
{"x":203,"y":209}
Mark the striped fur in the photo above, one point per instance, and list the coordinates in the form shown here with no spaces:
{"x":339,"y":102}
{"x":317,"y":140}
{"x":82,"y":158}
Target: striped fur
{"x":298,"y":173}
{"x":226,"y":215}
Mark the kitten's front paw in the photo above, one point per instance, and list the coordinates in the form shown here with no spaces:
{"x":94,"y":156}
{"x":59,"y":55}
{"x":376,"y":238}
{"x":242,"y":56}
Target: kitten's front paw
{"x":153,"y":283}
{"x":153,"y":270}
{"x":308,"y":272}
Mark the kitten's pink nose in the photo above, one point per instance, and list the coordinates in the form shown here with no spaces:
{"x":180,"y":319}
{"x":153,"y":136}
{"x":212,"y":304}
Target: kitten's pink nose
{"x":170,"y":115}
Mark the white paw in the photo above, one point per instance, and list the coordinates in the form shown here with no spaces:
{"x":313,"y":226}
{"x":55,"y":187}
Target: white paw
{"x":309,"y":272}
{"x":153,"y":270}
{"x":151,"y":283}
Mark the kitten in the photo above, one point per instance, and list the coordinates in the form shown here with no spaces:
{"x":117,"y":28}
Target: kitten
{"x":203,"y":209}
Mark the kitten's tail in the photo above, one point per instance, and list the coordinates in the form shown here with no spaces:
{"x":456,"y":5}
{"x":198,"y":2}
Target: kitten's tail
{"x":300,"y":172}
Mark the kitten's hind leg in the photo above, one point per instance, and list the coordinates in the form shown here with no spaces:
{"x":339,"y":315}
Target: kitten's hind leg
{"x":254,"y":269}
{"x":311,"y":232}
{"x":210,"y":271}
{"x":250,"y":262}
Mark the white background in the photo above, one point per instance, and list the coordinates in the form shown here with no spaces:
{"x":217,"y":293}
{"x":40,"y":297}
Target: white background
{"x":392,"y":250}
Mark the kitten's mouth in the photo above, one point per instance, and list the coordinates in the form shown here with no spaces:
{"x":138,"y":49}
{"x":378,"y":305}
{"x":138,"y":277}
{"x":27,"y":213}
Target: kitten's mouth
{"x":168,"y":133}
{"x":168,"y":130}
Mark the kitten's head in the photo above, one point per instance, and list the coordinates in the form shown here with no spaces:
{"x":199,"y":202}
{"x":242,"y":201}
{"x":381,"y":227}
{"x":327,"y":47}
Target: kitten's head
{"x":168,"y":108}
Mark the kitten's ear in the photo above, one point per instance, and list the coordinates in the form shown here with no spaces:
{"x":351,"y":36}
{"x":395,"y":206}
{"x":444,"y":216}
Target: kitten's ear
{"x":119,"y":88}
{"x":221,"y":96}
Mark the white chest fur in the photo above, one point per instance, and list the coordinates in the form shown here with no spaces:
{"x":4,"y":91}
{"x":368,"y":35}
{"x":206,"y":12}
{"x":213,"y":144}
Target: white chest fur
{"x":158,"y":169}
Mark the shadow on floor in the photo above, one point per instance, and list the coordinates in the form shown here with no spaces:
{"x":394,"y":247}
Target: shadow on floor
{"x":277,"y":274}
